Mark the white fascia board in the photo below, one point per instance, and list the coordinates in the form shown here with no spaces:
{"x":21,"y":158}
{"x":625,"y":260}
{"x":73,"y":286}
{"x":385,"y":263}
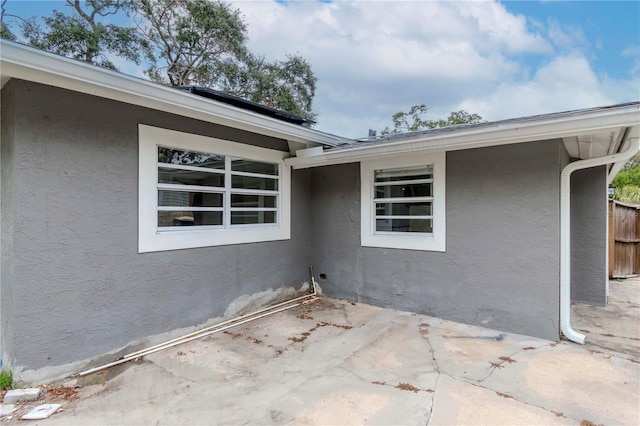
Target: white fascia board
{"x":527,"y":130}
{"x":27,"y":63}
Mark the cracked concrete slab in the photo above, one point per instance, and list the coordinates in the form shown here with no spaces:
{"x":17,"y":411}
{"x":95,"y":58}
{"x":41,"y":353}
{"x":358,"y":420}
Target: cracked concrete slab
{"x":339,"y":362}
{"x":615,"y":326}
{"x":461,"y":403}
{"x":569,"y":379}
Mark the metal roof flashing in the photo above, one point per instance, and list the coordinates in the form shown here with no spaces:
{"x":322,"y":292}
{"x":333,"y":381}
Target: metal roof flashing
{"x":245,"y":104}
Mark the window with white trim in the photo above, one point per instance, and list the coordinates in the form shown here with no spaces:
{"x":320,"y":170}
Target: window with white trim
{"x":197,"y":191}
{"x":403,"y":202}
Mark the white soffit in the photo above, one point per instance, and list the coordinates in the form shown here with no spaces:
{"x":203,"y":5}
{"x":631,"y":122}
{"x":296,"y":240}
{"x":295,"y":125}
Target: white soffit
{"x":26,"y":63}
{"x":594,"y":145}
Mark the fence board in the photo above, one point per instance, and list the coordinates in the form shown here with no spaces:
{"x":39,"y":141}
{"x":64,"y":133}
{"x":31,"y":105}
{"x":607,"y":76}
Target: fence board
{"x":624,"y":239}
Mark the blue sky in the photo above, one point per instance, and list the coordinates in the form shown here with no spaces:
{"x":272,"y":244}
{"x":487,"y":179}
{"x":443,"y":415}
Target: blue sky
{"x":497,"y":59}
{"x":607,"y":27}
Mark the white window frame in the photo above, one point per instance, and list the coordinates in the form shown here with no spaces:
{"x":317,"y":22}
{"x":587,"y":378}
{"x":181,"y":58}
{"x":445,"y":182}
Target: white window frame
{"x":151,"y":239}
{"x":435,"y":241}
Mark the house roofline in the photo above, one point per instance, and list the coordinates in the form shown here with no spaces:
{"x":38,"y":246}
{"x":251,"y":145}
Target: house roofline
{"x":527,"y":129}
{"x":27,"y":63}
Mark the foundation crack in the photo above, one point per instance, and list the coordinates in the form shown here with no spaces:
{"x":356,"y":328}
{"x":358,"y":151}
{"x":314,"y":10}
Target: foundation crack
{"x":433,"y":398}
{"x":501,"y":363}
{"x":505,"y":395}
{"x":435,"y":385}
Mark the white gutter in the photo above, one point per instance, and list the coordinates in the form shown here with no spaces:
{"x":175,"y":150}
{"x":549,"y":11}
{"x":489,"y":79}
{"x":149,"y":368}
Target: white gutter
{"x":565,"y":227}
{"x":516,"y":131}
{"x":26,"y":63}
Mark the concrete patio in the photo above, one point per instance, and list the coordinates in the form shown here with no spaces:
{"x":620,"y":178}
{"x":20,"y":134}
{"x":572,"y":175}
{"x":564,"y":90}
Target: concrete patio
{"x":337,"y":362}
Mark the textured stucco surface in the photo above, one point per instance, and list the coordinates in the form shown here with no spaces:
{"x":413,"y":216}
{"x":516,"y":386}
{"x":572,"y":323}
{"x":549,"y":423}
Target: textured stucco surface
{"x":80,"y":287}
{"x":7,"y":134}
{"x":589,"y":236}
{"x":501,"y":265}
{"x":75,"y":287}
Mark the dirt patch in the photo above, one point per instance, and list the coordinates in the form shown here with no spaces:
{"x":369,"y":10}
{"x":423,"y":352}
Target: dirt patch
{"x":404,"y":386}
{"x":407,"y":387}
{"x":305,"y":316}
{"x":249,"y":338}
{"x":306,"y":334}
{"x":584,"y":422}
{"x":507,"y":359}
{"x":528,"y":348}
{"x":504,"y":395}
{"x":60,"y":393}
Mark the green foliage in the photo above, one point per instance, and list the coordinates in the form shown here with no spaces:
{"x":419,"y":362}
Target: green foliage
{"x":415,"y":120}
{"x":6,"y":379}
{"x":81,"y":35}
{"x":203,"y":43}
{"x":190,"y":40}
{"x":628,"y":194}
{"x":633,"y":163}
{"x":6,"y":33}
{"x":289,"y":85}
{"x":629,"y":175}
{"x":627,"y":182}
{"x":182,"y":42}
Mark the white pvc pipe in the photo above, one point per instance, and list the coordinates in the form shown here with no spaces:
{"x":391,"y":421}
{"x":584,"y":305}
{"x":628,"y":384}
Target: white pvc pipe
{"x":214,"y":328}
{"x":565,"y":227}
{"x":231,"y":321}
{"x":190,"y":337}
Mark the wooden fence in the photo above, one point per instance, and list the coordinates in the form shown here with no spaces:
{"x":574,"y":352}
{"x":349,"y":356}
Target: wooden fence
{"x":624,"y":239}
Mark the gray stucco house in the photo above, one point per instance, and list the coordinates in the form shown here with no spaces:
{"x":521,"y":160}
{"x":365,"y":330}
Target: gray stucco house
{"x":130,"y":210}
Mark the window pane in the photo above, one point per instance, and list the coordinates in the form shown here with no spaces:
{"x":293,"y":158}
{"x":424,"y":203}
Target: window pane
{"x":413,"y":190}
{"x":403,"y":209}
{"x":404,"y":225}
{"x":189,"y":218}
{"x":248,"y":182}
{"x":190,"y":158}
{"x":248,"y":218}
{"x":412,"y":173}
{"x":186,"y":199}
{"x":242,"y":165}
{"x":189,"y":177}
{"x":247,"y":200}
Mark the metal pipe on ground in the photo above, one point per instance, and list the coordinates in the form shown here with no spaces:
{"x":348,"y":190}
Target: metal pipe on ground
{"x":243,"y":319}
{"x":161,"y":347}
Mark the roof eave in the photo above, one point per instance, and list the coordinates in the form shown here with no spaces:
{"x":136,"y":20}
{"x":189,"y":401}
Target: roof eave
{"x":526,"y":130}
{"x":26,"y":63}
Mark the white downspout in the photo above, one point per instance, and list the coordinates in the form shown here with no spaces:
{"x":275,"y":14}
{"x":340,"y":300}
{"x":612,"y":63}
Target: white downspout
{"x":565,"y":228}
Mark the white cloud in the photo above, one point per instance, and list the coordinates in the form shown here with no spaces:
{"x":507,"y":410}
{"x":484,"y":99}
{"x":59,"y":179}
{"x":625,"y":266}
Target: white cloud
{"x":566,"y":37}
{"x":566,"y":83}
{"x":376,"y":58}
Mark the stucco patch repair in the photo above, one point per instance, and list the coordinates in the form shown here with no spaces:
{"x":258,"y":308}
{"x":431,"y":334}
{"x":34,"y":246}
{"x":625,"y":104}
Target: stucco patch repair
{"x":243,"y":304}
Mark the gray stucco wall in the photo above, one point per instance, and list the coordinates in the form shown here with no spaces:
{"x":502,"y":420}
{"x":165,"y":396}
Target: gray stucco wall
{"x":6,"y":227}
{"x":80,"y":288}
{"x":589,"y":236}
{"x":501,"y":266}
